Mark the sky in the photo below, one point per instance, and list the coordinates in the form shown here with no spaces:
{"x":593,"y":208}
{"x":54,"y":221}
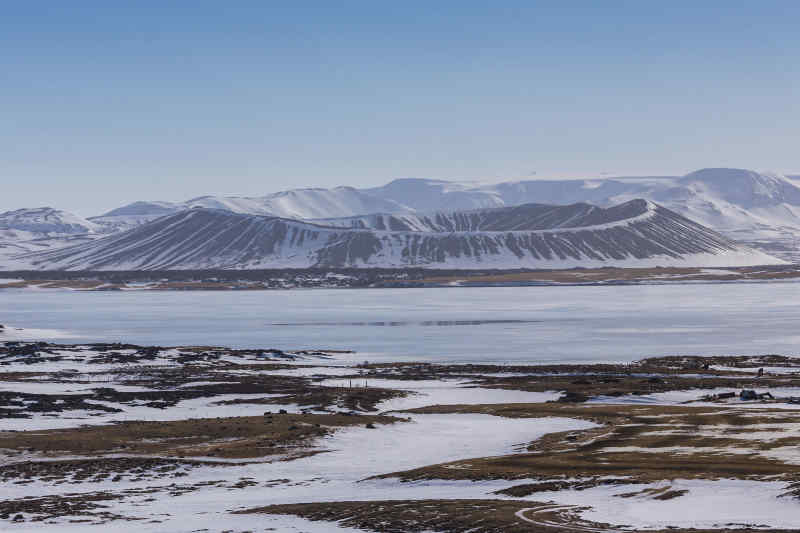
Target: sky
{"x":103,"y":103}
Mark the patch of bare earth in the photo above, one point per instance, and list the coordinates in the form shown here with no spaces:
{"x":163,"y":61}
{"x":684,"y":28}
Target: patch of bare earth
{"x":612,"y":275}
{"x":459,"y":516}
{"x":584,"y":382}
{"x":164,"y":446}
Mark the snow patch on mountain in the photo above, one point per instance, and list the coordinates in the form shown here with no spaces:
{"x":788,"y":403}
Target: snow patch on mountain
{"x":45,"y":221}
{"x":297,"y":204}
{"x":41,"y":229}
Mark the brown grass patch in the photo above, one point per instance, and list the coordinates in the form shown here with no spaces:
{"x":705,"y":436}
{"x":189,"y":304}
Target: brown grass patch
{"x":230,"y":438}
{"x":597,"y":275}
{"x":462,"y":516}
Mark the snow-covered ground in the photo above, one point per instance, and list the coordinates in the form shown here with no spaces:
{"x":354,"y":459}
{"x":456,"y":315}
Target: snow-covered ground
{"x":717,"y":504}
{"x":354,"y":455}
{"x":443,"y":392}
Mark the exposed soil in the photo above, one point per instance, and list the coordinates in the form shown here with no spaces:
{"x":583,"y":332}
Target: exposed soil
{"x":91,"y":508}
{"x":243,"y":437}
{"x":617,"y":275}
{"x":94,"y":469}
{"x":376,"y":277}
{"x":460,"y":516}
{"x":583,"y":382}
{"x":46,"y":507}
{"x":171,"y":375}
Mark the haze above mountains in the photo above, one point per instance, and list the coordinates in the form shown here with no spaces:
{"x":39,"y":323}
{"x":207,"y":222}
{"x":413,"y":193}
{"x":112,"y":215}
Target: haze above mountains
{"x":759,"y":209}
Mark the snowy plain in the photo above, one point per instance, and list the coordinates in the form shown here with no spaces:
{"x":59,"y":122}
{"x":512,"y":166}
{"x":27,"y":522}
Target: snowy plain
{"x":354,"y":454}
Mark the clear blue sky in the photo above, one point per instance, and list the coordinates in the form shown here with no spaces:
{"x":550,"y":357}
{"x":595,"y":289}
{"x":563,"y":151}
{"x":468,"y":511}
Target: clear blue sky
{"x":108,"y":102}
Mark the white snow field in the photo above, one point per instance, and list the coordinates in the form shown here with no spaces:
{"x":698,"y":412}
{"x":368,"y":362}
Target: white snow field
{"x":354,"y":455}
{"x":717,"y":504}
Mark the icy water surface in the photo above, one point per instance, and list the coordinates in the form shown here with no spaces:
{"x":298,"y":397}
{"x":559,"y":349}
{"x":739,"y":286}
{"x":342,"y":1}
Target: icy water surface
{"x":508,"y":324}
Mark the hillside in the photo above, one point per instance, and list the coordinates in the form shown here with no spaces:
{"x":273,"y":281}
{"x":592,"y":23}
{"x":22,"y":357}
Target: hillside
{"x":759,"y":208}
{"x":37,"y":229}
{"x":636,"y":233}
{"x":297,"y":204}
{"x":45,"y":221}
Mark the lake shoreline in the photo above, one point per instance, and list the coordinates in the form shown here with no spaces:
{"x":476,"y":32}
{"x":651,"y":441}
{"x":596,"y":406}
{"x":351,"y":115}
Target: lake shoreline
{"x":385,"y":278}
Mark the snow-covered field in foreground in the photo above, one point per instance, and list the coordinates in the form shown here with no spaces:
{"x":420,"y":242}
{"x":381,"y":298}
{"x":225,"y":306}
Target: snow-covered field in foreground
{"x":356,"y":454}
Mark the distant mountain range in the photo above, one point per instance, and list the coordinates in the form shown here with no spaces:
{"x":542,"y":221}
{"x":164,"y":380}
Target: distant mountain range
{"x":761,"y":210}
{"x":750,"y":204}
{"x":26,"y":230}
{"x":636,"y":233}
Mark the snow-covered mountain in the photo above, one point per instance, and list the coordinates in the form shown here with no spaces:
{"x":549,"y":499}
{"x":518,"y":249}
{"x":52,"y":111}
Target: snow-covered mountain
{"x":45,"y":221}
{"x":742,"y":204}
{"x":132,"y":215}
{"x":636,"y":233}
{"x":297,"y":204}
{"x":44,"y":228}
{"x":758,"y":208}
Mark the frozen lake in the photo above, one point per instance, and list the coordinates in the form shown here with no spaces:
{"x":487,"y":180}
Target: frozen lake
{"x":508,"y":324}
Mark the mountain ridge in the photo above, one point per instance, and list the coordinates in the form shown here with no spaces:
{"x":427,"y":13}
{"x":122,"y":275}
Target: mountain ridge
{"x":759,"y":209}
{"x":743,"y":204}
{"x":44,"y":221}
{"x":636,"y":233}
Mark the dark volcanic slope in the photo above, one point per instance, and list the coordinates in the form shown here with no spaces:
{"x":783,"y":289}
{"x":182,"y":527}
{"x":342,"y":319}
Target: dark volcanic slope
{"x":636,"y":233}
{"x":516,"y":218}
